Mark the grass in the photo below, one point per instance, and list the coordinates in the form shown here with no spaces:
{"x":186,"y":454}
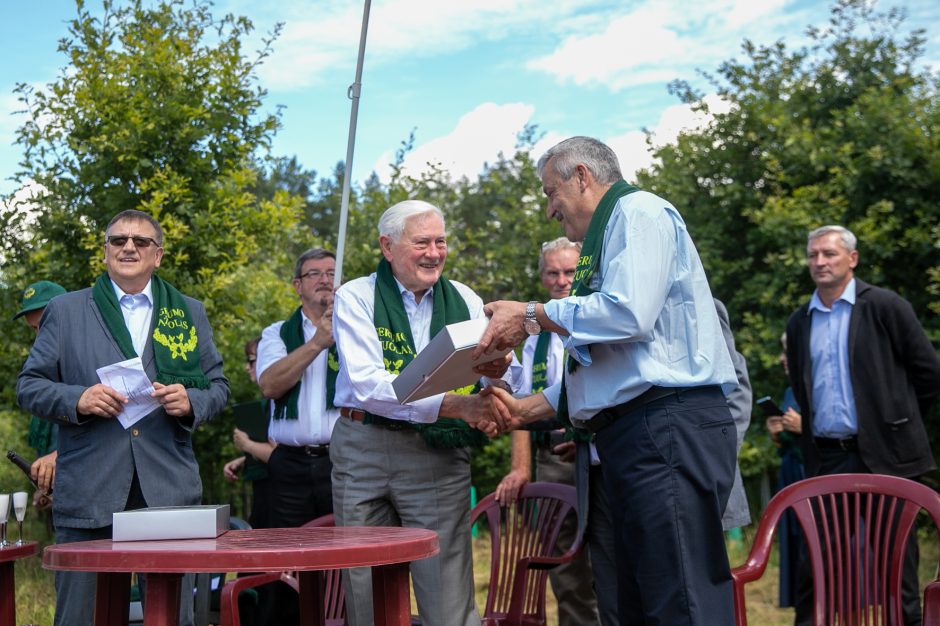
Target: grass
{"x":35,"y":597}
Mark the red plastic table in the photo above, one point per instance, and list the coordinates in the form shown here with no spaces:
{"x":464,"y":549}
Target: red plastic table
{"x":8,"y":555}
{"x":387,"y":550}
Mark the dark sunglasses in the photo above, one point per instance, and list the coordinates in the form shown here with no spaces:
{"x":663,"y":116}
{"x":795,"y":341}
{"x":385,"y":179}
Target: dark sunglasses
{"x":119,"y":241}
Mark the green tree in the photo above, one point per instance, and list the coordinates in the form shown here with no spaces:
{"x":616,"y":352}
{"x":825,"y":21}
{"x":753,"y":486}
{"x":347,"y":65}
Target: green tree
{"x":845,"y":130}
{"x":157,"y":109}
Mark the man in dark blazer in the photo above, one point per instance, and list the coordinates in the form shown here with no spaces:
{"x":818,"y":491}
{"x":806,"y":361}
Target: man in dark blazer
{"x":102,"y":467}
{"x":865,"y":374}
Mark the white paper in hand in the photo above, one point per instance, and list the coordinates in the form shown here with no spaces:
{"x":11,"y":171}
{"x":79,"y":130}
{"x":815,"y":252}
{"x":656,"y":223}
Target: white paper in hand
{"x":129,"y":378}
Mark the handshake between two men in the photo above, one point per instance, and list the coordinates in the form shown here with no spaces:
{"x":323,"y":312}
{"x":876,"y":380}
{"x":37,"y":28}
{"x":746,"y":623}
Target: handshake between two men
{"x":495,"y":410}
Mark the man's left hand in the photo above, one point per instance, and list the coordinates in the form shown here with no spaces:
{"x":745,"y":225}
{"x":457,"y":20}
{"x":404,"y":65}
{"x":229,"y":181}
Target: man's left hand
{"x":505,"y":328}
{"x":174,"y":399}
{"x":494,"y":369}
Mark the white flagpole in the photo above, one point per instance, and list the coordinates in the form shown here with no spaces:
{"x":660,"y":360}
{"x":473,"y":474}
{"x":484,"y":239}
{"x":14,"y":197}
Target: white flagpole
{"x":353,"y":94}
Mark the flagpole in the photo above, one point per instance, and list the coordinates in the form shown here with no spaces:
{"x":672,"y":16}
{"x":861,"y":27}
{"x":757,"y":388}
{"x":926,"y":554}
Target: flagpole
{"x":353,"y":94}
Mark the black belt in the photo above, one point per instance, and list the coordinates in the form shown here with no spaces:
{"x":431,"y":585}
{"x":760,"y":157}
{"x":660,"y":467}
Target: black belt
{"x":846,"y":444}
{"x":322,"y":449}
{"x":605,"y":417}
{"x":358,"y":415}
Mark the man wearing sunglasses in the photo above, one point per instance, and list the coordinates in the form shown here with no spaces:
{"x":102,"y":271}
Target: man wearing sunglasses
{"x":104,"y":467}
{"x":297,"y":366}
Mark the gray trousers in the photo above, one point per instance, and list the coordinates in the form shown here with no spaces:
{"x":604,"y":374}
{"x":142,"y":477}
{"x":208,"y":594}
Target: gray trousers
{"x":384,"y":477}
{"x":572,"y":583}
{"x":75,"y":591}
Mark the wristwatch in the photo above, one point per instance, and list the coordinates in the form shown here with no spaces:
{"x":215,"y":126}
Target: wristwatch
{"x":531,"y":324}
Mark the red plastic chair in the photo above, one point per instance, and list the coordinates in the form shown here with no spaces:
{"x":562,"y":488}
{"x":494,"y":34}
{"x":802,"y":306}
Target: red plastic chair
{"x":856,"y":527}
{"x":523,"y":538}
{"x":334,"y":597}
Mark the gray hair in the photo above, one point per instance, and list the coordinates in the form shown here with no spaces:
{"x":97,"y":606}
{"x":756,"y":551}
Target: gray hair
{"x":562,"y":243}
{"x":312,"y":253}
{"x":133,"y":215}
{"x":392,"y":222}
{"x":848,"y":238}
{"x":596,"y":156}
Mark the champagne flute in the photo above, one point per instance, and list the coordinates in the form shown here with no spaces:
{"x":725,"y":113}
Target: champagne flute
{"x":19,"y":508}
{"x":4,"y":514}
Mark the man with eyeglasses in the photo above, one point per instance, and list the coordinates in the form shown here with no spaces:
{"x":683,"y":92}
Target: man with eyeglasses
{"x":103,"y":467}
{"x":297,"y":366}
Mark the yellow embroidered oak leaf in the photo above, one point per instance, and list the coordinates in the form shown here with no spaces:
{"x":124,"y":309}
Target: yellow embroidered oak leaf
{"x":176,"y":344}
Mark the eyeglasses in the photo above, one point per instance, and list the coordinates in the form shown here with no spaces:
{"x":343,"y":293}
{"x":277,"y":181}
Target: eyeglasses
{"x":119,"y":241}
{"x":316,"y":274}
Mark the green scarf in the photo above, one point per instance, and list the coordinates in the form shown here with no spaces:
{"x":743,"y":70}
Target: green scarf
{"x":540,"y":362}
{"x":292,"y":334}
{"x":174,"y":333}
{"x":541,"y":430}
{"x":590,"y":257}
{"x":39,"y":436}
{"x":398,"y":349}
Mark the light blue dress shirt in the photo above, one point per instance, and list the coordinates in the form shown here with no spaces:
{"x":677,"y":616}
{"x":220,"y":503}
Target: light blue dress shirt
{"x":652,"y":320}
{"x":137,"y":310}
{"x":834,"y":413}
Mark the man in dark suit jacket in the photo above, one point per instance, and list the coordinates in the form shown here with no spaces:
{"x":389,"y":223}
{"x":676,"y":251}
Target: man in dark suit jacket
{"x":865,"y":374}
{"x":104,"y":467}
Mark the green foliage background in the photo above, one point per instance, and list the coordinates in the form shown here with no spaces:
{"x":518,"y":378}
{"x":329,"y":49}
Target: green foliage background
{"x":158,"y":108}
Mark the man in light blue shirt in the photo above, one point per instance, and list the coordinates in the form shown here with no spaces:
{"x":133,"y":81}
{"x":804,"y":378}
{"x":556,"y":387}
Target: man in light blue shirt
{"x":865,"y":374}
{"x":646,"y":372}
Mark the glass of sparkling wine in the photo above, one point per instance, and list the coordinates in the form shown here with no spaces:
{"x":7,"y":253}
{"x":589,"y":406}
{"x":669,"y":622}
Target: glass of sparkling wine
{"x":19,"y":509}
{"x":4,"y":514}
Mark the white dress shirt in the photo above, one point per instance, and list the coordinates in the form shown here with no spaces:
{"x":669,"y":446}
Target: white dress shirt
{"x":314,"y":423}
{"x":363,"y":382}
{"x":554,"y":362}
{"x":138,"y":313}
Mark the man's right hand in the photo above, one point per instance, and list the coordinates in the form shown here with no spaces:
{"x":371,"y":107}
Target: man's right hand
{"x":509,"y":487}
{"x":43,"y":471}
{"x":323,"y":338}
{"x":102,"y":401}
{"x":232,"y":468}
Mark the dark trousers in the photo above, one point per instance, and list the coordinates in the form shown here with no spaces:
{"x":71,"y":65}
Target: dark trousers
{"x":835,"y":461}
{"x":75,"y":591}
{"x":301,"y":489}
{"x":668,"y":469}
{"x":601,"y":544}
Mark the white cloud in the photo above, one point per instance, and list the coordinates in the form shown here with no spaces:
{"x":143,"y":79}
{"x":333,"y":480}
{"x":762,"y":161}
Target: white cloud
{"x":659,"y":40}
{"x":319,"y":36}
{"x":635,"y":153}
{"x":478,"y":137}
{"x":489,"y":129}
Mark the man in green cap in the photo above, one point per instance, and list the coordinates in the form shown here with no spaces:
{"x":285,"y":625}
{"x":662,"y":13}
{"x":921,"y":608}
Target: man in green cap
{"x":42,"y":435}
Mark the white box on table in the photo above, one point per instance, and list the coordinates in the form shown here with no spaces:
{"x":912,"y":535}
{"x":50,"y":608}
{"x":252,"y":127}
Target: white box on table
{"x":171,"y":522}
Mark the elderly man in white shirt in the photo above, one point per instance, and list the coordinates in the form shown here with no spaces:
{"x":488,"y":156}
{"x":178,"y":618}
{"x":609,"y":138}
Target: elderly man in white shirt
{"x":407,"y":464}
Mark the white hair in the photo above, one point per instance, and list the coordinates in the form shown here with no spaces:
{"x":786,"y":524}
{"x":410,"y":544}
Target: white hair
{"x":392,"y":222}
{"x":848,"y":237}
{"x":593,"y":154}
{"x":562,"y":243}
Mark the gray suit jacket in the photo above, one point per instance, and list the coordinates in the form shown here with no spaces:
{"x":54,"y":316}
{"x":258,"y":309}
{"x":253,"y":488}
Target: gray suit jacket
{"x":739,"y":403}
{"x":97,"y":457}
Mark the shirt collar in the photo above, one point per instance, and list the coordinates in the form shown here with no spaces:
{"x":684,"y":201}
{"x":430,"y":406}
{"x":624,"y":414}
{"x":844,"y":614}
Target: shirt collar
{"x":405,"y":292}
{"x":848,"y":295}
{"x":147,"y":292}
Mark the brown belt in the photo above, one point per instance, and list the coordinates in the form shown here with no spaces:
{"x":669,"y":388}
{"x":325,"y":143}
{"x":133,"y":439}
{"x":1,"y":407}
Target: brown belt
{"x":358,"y":415}
{"x":354,"y":414}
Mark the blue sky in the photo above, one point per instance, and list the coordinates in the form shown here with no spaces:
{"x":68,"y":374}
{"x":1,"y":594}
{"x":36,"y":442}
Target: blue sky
{"x":465,"y":75}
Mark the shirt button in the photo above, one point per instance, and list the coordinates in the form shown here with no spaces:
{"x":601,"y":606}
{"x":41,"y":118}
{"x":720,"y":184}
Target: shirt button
{"x":135,"y":432}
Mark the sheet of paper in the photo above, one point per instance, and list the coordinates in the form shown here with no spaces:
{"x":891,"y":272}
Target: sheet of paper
{"x":129,"y":378}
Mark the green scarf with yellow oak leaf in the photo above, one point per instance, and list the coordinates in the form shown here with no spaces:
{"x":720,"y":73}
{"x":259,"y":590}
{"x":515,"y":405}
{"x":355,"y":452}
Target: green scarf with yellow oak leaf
{"x":175,"y":340}
{"x":398,"y":350}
